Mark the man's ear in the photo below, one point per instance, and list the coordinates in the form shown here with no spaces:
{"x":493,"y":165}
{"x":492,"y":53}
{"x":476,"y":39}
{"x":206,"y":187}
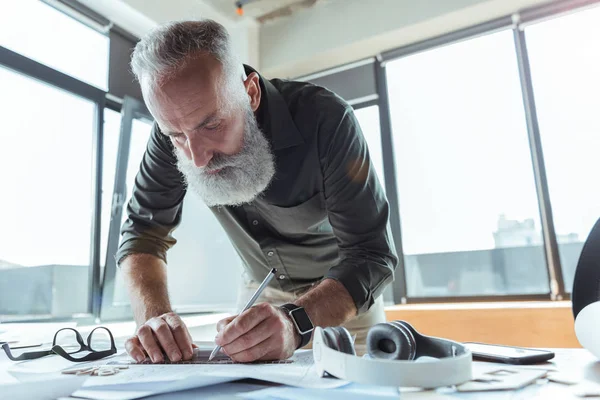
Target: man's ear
{"x":252,"y":85}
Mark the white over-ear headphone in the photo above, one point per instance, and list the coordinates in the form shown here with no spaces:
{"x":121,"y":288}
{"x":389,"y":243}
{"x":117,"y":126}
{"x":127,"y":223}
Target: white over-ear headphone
{"x":393,"y":348}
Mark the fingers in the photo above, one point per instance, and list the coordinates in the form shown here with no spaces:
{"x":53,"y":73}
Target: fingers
{"x":244,"y":323}
{"x":258,"y":352}
{"x":166,"y":333}
{"x":146,"y":337}
{"x":134,"y":349}
{"x":163,"y":333}
{"x":182,"y":336}
{"x":261,"y":332}
{"x":224,"y":322}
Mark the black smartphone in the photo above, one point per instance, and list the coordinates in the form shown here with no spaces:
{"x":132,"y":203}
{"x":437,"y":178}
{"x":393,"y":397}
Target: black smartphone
{"x":508,"y":354}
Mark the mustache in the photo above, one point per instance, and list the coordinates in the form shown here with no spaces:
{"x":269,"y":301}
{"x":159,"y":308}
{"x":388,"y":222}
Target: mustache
{"x":220,"y":161}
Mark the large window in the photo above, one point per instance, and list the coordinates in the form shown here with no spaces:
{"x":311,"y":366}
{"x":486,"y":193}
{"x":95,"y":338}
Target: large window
{"x":44,"y":34}
{"x":565,"y":63}
{"x":46,"y":180}
{"x":469,"y":214}
{"x":465,"y":212}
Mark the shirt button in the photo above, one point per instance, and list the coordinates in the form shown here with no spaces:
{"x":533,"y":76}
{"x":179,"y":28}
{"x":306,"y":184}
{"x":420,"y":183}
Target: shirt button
{"x":255,"y":222}
{"x":281,"y":276}
{"x":270,"y":254}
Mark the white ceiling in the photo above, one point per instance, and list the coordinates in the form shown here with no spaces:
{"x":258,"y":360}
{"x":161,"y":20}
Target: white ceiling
{"x":263,"y":10}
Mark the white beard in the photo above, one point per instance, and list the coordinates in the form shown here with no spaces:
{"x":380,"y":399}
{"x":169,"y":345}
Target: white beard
{"x":244,"y":175}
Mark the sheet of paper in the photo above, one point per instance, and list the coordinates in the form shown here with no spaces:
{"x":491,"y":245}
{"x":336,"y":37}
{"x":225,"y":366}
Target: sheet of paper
{"x":200,"y":356}
{"x":95,"y":389}
{"x":48,"y":389}
{"x":502,"y":378}
{"x":351,"y":391}
{"x":294,"y":393}
{"x":229,"y":390}
{"x":302,"y":373}
{"x":143,"y":380}
{"x":34,"y":370}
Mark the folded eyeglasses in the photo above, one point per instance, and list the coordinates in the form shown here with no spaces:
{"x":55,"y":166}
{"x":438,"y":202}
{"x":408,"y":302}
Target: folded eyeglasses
{"x":68,"y":342}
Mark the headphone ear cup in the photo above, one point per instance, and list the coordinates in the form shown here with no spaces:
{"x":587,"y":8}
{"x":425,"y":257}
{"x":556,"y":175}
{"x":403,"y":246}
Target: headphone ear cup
{"x":392,"y":341}
{"x":338,"y":338}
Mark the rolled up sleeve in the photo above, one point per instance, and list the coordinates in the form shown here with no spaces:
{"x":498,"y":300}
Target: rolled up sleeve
{"x":358,"y":211}
{"x":154,"y":210}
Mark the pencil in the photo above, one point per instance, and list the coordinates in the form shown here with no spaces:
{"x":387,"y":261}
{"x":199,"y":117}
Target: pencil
{"x":254,"y":297}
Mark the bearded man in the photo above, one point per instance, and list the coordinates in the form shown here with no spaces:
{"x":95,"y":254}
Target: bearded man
{"x":286,"y":171}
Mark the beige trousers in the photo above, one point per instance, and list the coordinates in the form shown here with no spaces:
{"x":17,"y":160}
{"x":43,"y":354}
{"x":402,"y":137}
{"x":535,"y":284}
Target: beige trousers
{"x":358,"y":326}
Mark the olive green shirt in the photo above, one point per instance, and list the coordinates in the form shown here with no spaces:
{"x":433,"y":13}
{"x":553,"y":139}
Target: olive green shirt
{"x":324,"y":215}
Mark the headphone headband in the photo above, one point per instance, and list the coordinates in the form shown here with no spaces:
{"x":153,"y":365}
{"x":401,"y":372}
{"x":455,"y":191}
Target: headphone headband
{"x":452,"y":368}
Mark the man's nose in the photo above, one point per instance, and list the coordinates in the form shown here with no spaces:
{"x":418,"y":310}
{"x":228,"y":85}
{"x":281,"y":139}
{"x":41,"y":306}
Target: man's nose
{"x":200,"y":153}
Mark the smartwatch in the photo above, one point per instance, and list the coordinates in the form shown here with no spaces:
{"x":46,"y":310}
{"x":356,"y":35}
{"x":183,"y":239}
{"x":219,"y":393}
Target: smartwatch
{"x":302,"y":322}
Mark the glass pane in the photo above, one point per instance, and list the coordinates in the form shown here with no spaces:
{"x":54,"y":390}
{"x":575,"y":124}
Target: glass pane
{"x":44,"y":34}
{"x":203,"y":253}
{"x":45,"y":205}
{"x":140,"y":133}
{"x":565,"y":59}
{"x":368,"y":118}
{"x":112,"y":129}
{"x":468,"y":206}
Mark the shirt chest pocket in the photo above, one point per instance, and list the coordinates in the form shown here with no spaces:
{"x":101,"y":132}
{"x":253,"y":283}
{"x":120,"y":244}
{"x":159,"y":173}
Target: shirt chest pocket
{"x":309,"y":217}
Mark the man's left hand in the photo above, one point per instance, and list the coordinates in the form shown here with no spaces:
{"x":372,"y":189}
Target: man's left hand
{"x":263,"y":332}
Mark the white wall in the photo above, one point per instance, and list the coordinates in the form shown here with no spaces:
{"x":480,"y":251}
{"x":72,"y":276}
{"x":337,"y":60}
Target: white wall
{"x":122,"y":14}
{"x":343,"y":31}
{"x":139,"y":16}
{"x":244,"y":34}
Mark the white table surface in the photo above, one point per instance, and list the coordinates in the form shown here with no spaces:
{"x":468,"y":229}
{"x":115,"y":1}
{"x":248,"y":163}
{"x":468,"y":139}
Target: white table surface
{"x":577,"y":363}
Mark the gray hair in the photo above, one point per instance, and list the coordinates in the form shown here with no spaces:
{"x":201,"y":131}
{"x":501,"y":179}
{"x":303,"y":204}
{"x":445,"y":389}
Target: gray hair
{"x":167,"y":48}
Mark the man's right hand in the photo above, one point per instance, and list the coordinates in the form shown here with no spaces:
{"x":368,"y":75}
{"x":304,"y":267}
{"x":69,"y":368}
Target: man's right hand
{"x":166,"y":332}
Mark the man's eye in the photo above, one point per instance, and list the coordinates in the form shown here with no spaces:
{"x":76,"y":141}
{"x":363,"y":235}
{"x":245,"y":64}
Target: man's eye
{"x":212,"y":127}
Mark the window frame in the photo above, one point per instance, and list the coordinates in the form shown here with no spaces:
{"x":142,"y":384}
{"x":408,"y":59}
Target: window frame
{"x":103,"y":99}
{"x":98,"y":289}
{"x":517,"y":22}
{"x":131,"y":109}
{"x":35,"y":70}
{"x":556,"y":283}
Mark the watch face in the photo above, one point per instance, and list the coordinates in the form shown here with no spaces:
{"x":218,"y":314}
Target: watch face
{"x":303,"y":322}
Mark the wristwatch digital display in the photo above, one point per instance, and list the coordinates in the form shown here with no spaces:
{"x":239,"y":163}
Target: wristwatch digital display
{"x":302,"y":322}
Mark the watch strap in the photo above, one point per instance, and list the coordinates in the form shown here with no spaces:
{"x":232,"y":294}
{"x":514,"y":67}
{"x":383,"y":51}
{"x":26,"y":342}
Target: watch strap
{"x":304,"y":337}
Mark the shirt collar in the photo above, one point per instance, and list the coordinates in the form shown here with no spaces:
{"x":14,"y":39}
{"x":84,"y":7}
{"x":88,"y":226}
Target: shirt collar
{"x":274,"y":116}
